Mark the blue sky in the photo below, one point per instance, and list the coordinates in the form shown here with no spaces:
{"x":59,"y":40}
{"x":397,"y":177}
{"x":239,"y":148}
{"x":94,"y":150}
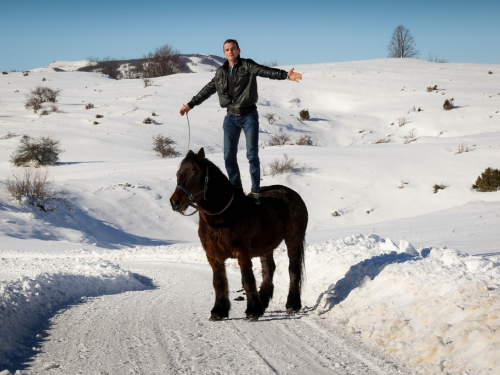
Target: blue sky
{"x":33,"y":33}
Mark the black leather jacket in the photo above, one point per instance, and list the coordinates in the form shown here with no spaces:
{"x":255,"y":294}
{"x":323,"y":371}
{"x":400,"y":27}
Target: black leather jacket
{"x":244,"y":98}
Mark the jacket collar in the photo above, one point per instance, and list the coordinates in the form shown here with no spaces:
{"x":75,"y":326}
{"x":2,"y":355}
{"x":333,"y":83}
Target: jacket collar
{"x":238,"y":63}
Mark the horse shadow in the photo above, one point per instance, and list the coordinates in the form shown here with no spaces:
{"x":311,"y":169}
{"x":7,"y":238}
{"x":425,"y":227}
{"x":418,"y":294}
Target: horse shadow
{"x":357,"y":275}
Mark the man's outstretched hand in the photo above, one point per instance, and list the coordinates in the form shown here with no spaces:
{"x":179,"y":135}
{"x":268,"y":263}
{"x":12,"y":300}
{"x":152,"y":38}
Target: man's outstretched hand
{"x":185,"y":109}
{"x":294,"y":76}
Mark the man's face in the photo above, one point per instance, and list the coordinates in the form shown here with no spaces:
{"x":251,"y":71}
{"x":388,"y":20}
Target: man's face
{"x":231,"y":51}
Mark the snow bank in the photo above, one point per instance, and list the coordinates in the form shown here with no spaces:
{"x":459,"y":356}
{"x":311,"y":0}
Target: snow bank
{"x":437,"y":309}
{"x":24,"y":302}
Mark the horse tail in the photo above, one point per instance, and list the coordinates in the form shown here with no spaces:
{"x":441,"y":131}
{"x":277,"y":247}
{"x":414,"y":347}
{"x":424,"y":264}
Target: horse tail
{"x":302,"y":255}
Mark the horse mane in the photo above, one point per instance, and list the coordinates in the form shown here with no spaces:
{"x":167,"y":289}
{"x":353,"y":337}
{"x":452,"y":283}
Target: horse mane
{"x":214,"y":174}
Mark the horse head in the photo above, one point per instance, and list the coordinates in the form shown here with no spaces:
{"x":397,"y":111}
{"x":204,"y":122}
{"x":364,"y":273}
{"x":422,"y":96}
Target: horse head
{"x":191,"y":182}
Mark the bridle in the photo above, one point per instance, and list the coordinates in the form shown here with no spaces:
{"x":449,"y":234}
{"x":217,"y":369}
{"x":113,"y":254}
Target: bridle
{"x":196,"y":206}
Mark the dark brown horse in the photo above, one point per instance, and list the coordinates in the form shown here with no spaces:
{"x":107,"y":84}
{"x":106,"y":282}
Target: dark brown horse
{"x":233,"y":226}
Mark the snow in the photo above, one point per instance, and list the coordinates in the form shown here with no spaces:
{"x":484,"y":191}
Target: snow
{"x":412,"y":274}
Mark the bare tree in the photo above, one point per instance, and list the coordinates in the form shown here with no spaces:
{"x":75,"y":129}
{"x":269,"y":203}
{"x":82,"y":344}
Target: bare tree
{"x":402,"y":44}
{"x":163,"y":62}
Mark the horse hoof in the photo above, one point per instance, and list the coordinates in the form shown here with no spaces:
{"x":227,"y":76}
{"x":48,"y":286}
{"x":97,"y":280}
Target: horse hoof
{"x":215,"y":318}
{"x":251,"y":318}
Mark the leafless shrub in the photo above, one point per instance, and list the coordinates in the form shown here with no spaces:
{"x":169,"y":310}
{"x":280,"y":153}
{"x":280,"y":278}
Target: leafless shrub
{"x":33,"y":187}
{"x":436,"y":59}
{"x":411,"y":136}
{"x":279,"y":139}
{"x":164,"y":146}
{"x":46,"y":93}
{"x":33,"y":102}
{"x":89,"y":106}
{"x":383,"y":140}
{"x":432,"y":88}
{"x":305,"y":140}
{"x":462,"y":147}
{"x":42,"y":151}
{"x":99,"y":116}
{"x":402,"y":121}
{"x":270,"y":118}
{"x":448,"y":104}
{"x":40,"y":95}
{"x":286,"y":165}
{"x":147,"y":82}
{"x":304,"y":115}
{"x":149,"y":120}
{"x":9,"y":135}
{"x":164,"y":61}
{"x":438,"y":187}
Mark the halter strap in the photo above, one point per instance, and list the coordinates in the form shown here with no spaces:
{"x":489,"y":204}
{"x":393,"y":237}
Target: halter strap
{"x":196,"y":206}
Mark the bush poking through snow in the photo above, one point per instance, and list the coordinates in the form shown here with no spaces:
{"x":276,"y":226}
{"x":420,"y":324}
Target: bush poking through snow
{"x":304,"y":115}
{"x":448,"y":104}
{"x":462,"y":147}
{"x":148,"y":120}
{"x":147,"y":82}
{"x":287,"y":165}
{"x":279,"y":139}
{"x":382,"y":140}
{"x":437,"y":187}
{"x":489,"y":180}
{"x":33,"y":187}
{"x":270,"y":118}
{"x":401,"y":121}
{"x":42,"y":151}
{"x":9,"y":135}
{"x":411,"y":136}
{"x":305,"y":140}
{"x":432,"y":88}
{"x":89,"y":106}
{"x":164,"y":146}
{"x":39,"y":95}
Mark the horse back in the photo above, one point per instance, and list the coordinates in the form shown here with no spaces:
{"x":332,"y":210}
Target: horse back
{"x":257,"y":229}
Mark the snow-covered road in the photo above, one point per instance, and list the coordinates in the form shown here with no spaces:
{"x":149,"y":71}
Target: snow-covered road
{"x":164,"y":330}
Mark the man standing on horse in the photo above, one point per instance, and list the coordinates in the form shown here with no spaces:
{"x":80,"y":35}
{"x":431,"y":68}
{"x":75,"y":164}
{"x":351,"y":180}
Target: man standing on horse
{"x":236,"y":85}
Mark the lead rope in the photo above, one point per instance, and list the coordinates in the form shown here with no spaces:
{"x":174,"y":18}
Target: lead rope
{"x":189,"y":133}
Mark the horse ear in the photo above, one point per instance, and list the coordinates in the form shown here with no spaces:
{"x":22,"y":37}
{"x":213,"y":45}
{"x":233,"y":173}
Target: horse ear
{"x":190,"y":154}
{"x":201,"y":153}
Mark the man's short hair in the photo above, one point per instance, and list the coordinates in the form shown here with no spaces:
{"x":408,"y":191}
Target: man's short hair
{"x":231,"y":41}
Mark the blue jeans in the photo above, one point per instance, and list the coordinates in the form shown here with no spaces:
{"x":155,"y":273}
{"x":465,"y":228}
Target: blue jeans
{"x":233,"y":125}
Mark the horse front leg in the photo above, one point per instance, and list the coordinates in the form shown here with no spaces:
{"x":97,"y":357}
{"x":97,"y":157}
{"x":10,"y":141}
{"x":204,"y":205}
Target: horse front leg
{"x":267,"y":287}
{"x":222,"y":303}
{"x":254,"y":306}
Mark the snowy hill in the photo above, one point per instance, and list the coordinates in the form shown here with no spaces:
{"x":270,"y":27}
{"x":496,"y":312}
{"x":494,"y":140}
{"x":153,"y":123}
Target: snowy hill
{"x":428,"y":295}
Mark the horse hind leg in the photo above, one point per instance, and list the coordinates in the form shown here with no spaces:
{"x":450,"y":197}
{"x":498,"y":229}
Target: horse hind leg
{"x":295,"y":247}
{"x":267,"y":287}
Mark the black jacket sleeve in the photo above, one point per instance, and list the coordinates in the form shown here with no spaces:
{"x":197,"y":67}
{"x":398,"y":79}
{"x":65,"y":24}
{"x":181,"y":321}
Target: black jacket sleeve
{"x":205,"y":93}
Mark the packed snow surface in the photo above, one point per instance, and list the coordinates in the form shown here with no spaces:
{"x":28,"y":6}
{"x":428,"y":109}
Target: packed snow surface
{"x":399,"y":278}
